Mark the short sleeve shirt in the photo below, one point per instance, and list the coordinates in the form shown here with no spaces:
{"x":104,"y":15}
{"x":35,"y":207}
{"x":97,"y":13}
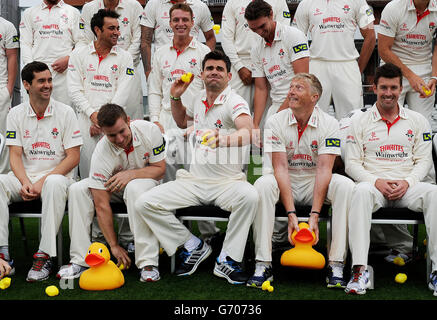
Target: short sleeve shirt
{"x":413,"y":34}
{"x":156,"y":15}
{"x":321,"y":136}
{"x":44,"y":140}
{"x":108,"y":159}
{"x":47,"y":34}
{"x":170,"y":65}
{"x":274,"y":61}
{"x":8,"y":40}
{"x":221,"y":162}
{"x":374,"y":149}
{"x":332,"y":26}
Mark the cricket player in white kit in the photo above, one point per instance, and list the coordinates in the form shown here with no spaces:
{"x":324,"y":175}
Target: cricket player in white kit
{"x":44,"y":143}
{"x":303,"y":143}
{"x":334,"y":58}
{"x":49,"y":32}
{"x":277,"y":55}
{"x":130,"y":12}
{"x":222,"y":124}
{"x":98,"y":73}
{"x":9,"y":43}
{"x":388,"y":154}
{"x":405,"y":38}
{"x":238,"y":39}
{"x":155,"y":26}
{"x":182,"y":55}
{"x":127,"y":161}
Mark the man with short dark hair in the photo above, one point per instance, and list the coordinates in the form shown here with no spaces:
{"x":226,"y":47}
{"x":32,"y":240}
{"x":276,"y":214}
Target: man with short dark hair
{"x":277,"y":55}
{"x":222,"y":126}
{"x":130,"y":36}
{"x":98,"y":73}
{"x":388,"y":154}
{"x":127,"y":161}
{"x":44,"y":147}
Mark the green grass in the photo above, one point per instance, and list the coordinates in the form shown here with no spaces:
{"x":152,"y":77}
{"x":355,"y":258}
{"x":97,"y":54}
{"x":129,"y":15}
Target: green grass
{"x":289,"y":284}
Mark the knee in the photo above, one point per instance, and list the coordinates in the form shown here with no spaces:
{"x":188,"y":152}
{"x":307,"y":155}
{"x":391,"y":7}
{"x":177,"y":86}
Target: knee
{"x":265,"y":184}
{"x":55,"y":183}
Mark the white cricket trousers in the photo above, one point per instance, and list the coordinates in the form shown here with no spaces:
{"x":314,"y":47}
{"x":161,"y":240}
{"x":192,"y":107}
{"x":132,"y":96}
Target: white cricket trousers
{"x":339,"y":196}
{"x":5,"y":105}
{"x":366,"y":199}
{"x":88,"y":146}
{"x":341,"y":81}
{"x":134,"y":106}
{"x":156,"y":207}
{"x":53,"y":197}
{"x":178,"y":154}
{"x":246,"y":91}
{"x":425,"y":106}
{"x":81,"y":213}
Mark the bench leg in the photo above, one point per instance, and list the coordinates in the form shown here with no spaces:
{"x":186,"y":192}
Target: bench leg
{"x":23,"y":236}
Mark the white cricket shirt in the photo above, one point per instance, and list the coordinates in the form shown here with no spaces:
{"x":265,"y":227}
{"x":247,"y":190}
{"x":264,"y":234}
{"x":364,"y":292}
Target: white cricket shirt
{"x":44,"y":140}
{"x":274,"y":61}
{"x":148,"y":146}
{"x":332,"y":26}
{"x":302,"y":145}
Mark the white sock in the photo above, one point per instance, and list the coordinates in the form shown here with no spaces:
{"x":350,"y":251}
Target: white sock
{"x":192,"y":243}
{"x":222,"y":256}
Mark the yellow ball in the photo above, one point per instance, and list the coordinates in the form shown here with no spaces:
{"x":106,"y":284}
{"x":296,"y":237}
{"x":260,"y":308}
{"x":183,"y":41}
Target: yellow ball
{"x":427,"y":91}
{"x":270,"y":289}
{"x":52,"y":291}
{"x":5,"y":283}
{"x":216,"y":28}
{"x":265,"y":285}
{"x":186,"y":77}
{"x":401,"y":278}
{"x":399,"y":261}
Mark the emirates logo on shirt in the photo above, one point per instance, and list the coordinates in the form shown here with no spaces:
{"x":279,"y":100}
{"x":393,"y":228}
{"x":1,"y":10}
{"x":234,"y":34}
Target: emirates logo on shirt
{"x":218,"y":124}
{"x":314,"y":146}
{"x":26,"y":134}
{"x":346,"y":9}
{"x":404,"y":27}
{"x":55,"y":133}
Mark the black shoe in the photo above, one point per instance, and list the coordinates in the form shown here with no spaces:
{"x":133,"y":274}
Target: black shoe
{"x":191,"y":260}
{"x":231,"y":271}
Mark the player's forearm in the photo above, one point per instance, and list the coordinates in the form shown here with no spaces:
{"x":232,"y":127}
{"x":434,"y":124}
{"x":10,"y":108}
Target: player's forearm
{"x":146,"y":48}
{"x":323,"y":178}
{"x":12,"y":70}
{"x":259,"y":105}
{"x":17,"y":167}
{"x":179,"y":113}
{"x":367,"y":49}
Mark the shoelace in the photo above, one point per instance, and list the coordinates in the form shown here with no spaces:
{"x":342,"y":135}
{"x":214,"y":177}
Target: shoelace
{"x":234,"y":265}
{"x":357,"y":275}
{"x":38,"y":264}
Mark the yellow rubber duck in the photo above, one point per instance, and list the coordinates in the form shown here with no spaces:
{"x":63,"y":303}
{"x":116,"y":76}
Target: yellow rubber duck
{"x":103,"y":274}
{"x":303,"y":255}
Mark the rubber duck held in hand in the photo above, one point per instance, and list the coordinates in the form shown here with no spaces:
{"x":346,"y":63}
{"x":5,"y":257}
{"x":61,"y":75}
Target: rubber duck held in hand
{"x":303,"y":255}
{"x":103,"y":274}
